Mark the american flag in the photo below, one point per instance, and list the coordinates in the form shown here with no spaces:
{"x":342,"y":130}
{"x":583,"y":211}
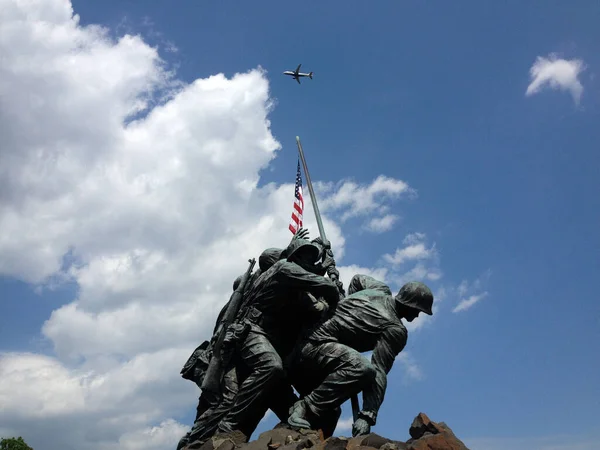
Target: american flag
{"x":296,"y":221}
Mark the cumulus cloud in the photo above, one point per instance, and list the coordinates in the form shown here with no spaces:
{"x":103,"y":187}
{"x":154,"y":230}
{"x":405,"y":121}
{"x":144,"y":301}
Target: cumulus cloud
{"x":415,"y":249}
{"x":351,"y":199}
{"x":556,"y":73}
{"x":467,"y":303}
{"x":52,"y":389}
{"x":158,"y":437}
{"x":422,"y":256}
{"x":382,"y":224}
{"x":118,"y":177}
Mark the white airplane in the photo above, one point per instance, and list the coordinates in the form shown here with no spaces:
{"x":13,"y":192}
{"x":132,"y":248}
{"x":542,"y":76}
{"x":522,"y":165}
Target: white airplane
{"x":296,"y":74}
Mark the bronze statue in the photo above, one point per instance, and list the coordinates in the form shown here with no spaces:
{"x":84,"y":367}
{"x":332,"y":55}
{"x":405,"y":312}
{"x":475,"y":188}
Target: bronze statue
{"x":265,"y":302}
{"x":368,"y":319}
{"x":293,"y":326}
{"x":212,"y":406}
{"x":265,"y":333}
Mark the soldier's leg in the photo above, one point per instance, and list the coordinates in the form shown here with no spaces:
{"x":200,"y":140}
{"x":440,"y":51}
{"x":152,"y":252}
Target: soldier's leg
{"x":328,"y":422}
{"x":282,"y":399}
{"x":203,"y":405}
{"x":206,"y":424}
{"x":347,"y":373}
{"x":265,"y":371}
{"x":307,"y":375}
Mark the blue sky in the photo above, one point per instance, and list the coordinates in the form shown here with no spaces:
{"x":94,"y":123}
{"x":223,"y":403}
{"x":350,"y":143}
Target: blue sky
{"x":433,"y":94}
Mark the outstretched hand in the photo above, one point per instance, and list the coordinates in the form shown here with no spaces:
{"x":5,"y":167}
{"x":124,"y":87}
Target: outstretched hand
{"x":302,"y":233}
{"x":360,"y":428}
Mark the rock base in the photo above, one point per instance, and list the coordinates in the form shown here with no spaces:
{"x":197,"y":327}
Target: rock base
{"x":425,"y":435}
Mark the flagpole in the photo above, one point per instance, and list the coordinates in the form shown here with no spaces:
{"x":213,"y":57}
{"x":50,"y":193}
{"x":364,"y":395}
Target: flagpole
{"x":313,"y":198}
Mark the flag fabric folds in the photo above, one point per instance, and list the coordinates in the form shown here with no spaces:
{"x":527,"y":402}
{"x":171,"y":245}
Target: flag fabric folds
{"x":298,"y":209}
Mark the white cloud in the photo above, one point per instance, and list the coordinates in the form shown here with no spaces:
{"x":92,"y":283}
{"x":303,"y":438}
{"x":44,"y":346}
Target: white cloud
{"x":157,"y":437}
{"x":414,"y":238}
{"x":421,"y":272}
{"x":147,"y":210}
{"x":556,"y":73}
{"x":426,"y":268}
{"x":467,"y":303}
{"x":353,"y":199}
{"x":382,"y":224}
{"x":65,"y":408}
{"x":415,"y":249}
{"x":471,"y":293}
{"x":52,"y":389}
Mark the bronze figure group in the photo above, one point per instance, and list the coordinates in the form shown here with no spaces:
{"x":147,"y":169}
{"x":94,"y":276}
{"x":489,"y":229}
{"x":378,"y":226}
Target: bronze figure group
{"x":290,"y":325}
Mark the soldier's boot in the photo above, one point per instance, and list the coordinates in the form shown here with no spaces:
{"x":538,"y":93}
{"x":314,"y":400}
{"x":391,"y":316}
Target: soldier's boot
{"x":299,"y":415}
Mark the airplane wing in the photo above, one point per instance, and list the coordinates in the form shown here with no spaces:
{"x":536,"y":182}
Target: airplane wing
{"x":298,"y":80}
{"x":298,"y":68}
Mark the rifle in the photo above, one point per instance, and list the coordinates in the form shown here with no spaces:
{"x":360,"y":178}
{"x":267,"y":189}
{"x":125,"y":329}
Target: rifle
{"x":313,"y":198}
{"x":214,"y":372}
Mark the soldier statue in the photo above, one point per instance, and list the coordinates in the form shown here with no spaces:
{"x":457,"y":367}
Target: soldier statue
{"x":210,"y":410}
{"x":263,"y":335}
{"x":269,"y":329}
{"x":368,"y":319}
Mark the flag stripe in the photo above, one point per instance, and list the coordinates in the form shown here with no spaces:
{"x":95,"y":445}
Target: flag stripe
{"x":298,"y":207}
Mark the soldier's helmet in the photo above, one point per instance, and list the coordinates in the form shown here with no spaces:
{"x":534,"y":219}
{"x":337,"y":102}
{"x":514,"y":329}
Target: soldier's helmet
{"x":269,"y":257}
{"x":302,"y":245}
{"x":416,"y":295}
{"x":266,"y":259}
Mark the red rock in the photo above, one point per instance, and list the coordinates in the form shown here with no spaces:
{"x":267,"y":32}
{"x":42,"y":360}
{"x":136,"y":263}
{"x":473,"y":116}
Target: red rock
{"x":374,"y":440}
{"x":442,"y":441}
{"x":426,"y":435}
{"x":421,"y":425}
{"x":429,"y":435}
{"x":334,"y":443}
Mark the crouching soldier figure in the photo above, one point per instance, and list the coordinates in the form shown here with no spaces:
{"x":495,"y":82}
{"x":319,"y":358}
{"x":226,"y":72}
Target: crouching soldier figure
{"x":369,"y":318}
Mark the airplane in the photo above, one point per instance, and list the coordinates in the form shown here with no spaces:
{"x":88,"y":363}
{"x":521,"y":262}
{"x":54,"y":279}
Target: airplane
{"x":296,"y":74}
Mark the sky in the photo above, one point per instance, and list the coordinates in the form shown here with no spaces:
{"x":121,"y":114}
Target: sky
{"x":148,"y":150}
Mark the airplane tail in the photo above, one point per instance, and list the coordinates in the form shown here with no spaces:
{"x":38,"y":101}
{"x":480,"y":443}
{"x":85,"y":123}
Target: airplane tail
{"x":310,"y":75}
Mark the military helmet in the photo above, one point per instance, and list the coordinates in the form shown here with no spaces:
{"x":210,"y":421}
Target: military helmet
{"x":302,"y":245}
{"x":416,"y":295}
{"x":269,"y":257}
